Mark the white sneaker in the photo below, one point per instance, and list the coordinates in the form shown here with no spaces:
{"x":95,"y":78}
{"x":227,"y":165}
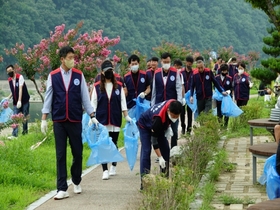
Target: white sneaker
{"x":112,"y":171}
{"x":105,"y":175}
{"x":61,"y":195}
{"x":11,"y":137}
{"x":77,"y":189}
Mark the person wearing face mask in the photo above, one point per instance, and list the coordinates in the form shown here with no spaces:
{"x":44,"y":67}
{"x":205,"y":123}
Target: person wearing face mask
{"x":153,"y":126}
{"x":20,"y":95}
{"x":202,"y":81}
{"x":225,"y":82}
{"x":167,"y":84}
{"x":232,"y":68}
{"x":108,"y":100}
{"x":241,"y":85}
{"x":66,"y":97}
{"x":136,"y":82}
{"x":117,"y":76}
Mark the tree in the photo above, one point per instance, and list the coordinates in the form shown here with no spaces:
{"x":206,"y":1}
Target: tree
{"x":90,"y":51}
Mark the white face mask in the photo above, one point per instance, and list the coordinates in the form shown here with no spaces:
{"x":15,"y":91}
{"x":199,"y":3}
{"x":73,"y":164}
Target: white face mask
{"x":172,"y":119}
{"x":240,"y":71}
{"x":134,"y":68}
{"x":166,"y":66}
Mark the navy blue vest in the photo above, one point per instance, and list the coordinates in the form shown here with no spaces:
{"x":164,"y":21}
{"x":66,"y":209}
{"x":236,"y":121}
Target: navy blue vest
{"x":150,"y":76}
{"x":15,"y":91}
{"x":133,"y":90}
{"x":109,"y":112}
{"x":187,"y":77}
{"x":241,"y":86}
{"x":167,"y":91}
{"x":226,"y":84}
{"x":160,"y":109}
{"x":232,"y":70}
{"x":67,"y":105}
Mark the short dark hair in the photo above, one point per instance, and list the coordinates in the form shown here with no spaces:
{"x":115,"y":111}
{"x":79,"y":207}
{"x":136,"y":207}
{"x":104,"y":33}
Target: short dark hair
{"x":148,"y":60}
{"x":165,"y":55}
{"x":154,"y":59}
{"x":199,"y":58}
{"x":189,"y":58}
{"x":64,"y":51}
{"x":233,"y":59}
{"x":242,"y":64}
{"x":175,"y":107}
{"x":10,"y":66}
{"x":178,"y":62}
{"x":224,"y":67}
{"x":133,"y":58}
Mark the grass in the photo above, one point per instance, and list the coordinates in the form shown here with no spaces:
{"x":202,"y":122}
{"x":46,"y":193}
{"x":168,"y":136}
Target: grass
{"x":229,"y":199}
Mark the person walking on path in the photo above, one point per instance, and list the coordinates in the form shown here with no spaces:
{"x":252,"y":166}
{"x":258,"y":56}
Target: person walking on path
{"x":66,"y":97}
{"x":150,"y":75}
{"x":167,"y":84}
{"x":187,"y":77}
{"x":108,"y":100}
{"x":202,"y":83}
{"x":225,"y":82}
{"x":20,"y":95}
{"x":154,"y":126}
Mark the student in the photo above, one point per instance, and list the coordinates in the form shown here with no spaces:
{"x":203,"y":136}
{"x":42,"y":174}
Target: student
{"x":203,"y":78}
{"x":241,"y":85}
{"x":66,"y":97}
{"x":20,"y":95}
{"x":167,"y":84}
{"x":136,"y":82}
{"x":152,"y":125}
{"x":233,"y":67}
{"x":225,"y":82}
{"x":187,"y":73}
{"x":108,"y":100}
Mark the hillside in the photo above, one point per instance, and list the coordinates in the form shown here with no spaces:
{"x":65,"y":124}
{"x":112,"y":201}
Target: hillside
{"x":141,"y":24}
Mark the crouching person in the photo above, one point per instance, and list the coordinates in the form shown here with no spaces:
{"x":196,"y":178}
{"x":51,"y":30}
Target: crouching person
{"x":153,"y":126}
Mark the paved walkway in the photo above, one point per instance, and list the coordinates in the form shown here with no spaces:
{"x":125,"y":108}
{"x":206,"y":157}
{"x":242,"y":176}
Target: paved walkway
{"x":121,"y":192}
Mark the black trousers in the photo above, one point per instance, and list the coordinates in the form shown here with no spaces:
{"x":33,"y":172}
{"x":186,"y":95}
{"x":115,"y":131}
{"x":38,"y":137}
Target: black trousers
{"x":241,"y":102}
{"x":182,"y":118}
{"x":204,"y":105}
{"x":219,"y":114}
{"x":72,"y":131}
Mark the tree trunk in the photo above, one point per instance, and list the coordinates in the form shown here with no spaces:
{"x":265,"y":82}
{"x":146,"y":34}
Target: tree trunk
{"x":37,"y":89}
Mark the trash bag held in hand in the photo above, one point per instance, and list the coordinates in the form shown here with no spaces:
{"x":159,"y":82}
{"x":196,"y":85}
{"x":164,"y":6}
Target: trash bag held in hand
{"x":131,"y":135}
{"x":229,"y":108}
{"x":271,"y":178}
{"x":142,"y":105}
{"x":217,"y":95}
{"x":85,"y":127}
{"x":193,"y":105}
{"x":132,"y":112}
{"x":103,"y":150}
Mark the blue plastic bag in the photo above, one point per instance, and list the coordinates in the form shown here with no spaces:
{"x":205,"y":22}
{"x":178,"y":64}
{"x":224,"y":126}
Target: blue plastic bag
{"x":6,"y":113}
{"x":271,"y":178}
{"x":103,"y":149}
{"x":85,"y":127}
{"x":131,"y":135}
{"x":217,"y":95}
{"x":132,"y":112}
{"x":229,"y":108}
{"x":142,"y":105}
{"x":193,"y":105}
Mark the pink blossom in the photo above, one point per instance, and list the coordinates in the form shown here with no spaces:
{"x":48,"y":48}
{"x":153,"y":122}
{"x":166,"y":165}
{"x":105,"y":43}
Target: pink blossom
{"x":116,"y":58}
{"x":14,"y":125}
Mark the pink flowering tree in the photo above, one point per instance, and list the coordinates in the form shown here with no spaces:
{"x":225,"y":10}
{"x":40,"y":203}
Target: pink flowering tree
{"x":90,"y":51}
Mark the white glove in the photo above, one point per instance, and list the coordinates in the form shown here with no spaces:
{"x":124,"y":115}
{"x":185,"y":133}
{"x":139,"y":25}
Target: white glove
{"x":93,"y":121}
{"x":44,"y":126}
{"x":251,"y":84}
{"x":142,"y":95}
{"x":128,"y":119}
{"x":183,"y":102}
{"x":161,"y":162}
{"x":228,"y":91}
{"x":18,"y":104}
{"x":169,"y":133}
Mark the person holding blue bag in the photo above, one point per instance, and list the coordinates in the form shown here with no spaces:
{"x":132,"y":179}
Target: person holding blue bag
{"x":108,"y":100}
{"x":225,"y":82}
{"x":154,"y":127}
